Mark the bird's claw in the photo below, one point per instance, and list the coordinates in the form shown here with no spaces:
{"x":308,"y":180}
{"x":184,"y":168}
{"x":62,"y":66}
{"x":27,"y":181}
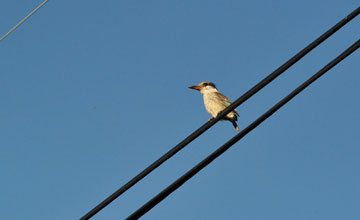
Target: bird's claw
{"x":211,"y":118}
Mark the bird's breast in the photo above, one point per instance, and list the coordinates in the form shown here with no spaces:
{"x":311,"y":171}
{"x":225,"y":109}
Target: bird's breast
{"x":214,"y":105}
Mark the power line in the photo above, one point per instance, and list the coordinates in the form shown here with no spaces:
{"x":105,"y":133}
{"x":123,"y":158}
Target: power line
{"x":23,"y":20}
{"x":175,"y":185}
{"x":209,"y":124}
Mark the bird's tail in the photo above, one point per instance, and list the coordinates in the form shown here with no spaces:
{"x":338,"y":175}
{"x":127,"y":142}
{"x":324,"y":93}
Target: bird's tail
{"x":235,"y":125}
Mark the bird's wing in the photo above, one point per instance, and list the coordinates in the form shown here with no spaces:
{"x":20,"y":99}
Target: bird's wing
{"x":226,"y":101}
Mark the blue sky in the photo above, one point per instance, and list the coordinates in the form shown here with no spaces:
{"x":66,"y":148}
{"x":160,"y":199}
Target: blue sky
{"x":93,"y":92}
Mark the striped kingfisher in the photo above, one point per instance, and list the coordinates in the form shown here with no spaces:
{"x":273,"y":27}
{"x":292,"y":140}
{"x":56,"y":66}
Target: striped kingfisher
{"x":215,"y":102}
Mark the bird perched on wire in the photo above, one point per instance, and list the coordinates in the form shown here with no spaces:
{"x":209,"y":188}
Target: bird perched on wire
{"x":215,"y":102}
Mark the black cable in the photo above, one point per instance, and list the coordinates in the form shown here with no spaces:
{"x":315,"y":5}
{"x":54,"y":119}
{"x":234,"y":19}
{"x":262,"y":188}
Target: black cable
{"x":175,"y":185}
{"x":236,"y":103}
{"x":23,"y":20}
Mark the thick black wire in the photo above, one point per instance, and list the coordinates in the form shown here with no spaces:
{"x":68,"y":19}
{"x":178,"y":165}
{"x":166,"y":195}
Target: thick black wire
{"x":236,"y":103}
{"x":175,"y":185}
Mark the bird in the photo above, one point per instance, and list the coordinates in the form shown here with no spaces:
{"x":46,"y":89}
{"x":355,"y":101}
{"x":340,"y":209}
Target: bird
{"x":215,"y":102}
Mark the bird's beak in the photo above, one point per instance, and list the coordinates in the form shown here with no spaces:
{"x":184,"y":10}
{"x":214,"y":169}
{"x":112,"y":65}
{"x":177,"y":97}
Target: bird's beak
{"x":195,"y":87}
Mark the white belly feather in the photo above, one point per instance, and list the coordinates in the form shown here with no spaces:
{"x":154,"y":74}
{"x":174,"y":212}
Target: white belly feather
{"x":214,"y":105}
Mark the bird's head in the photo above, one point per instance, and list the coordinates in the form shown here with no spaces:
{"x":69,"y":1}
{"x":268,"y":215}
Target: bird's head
{"x":204,"y":87}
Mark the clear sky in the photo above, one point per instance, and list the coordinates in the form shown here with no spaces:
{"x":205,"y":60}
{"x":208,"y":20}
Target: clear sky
{"x":92,"y":92}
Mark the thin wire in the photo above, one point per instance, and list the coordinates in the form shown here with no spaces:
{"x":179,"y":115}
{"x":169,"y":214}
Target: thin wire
{"x":175,"y":185}
{"x":209,"y":124}
{"x":23,"y":20}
